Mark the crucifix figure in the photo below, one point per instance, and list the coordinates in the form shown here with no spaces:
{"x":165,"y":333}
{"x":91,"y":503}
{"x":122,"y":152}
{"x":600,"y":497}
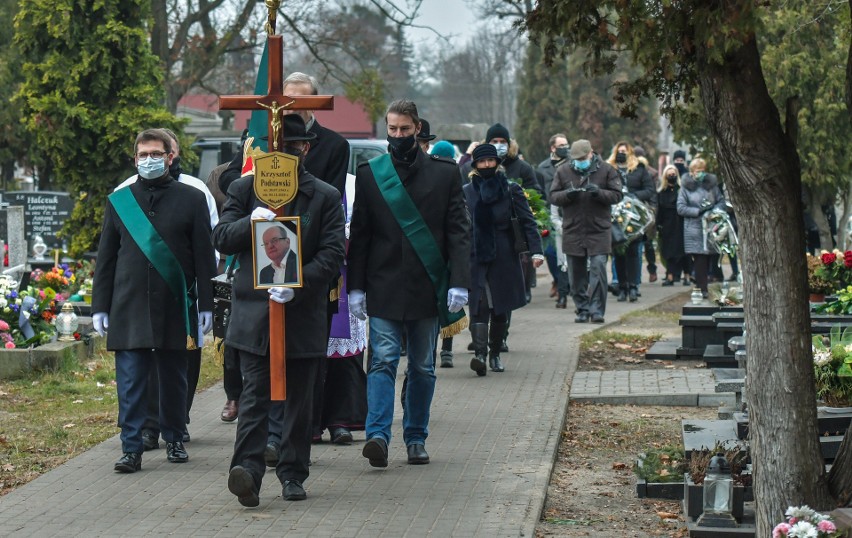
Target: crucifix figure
{"x":274,"y":109}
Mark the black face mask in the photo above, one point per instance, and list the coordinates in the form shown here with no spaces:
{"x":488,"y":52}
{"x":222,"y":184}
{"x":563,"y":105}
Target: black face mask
{"x":174,"y":168}
{"x":292,"y":150}
{"x":402,"y":145}
{"x":671,"y":179}
{"x":561,"y":153}
{"x":681,"y":168}
{"x":486,"y":173}
{"x":621,"y":158}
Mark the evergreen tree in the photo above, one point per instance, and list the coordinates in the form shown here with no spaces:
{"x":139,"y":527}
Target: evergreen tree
{"x":90,"y":85}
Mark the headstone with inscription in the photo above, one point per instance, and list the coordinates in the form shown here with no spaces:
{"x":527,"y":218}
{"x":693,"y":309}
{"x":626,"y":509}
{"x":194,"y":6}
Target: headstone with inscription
{"x":45,"y":213}
{"x":12,"y":234}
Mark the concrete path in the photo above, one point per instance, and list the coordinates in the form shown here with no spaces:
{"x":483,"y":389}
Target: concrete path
{"x":493,"y":441}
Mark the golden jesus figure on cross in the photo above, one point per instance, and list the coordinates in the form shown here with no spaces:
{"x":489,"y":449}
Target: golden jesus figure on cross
{"x":275,"y":122}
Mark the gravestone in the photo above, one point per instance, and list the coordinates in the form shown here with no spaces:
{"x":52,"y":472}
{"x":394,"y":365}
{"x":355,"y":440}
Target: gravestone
{"x":45,"y":213}
{"x":12,"y":233}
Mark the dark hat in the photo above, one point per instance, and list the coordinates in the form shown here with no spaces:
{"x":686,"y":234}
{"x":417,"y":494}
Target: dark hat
{"x":424,"y":133}
{"x":496,"y":131}
{"x":639,"y":151}
{"x":580,"y":148}
{"x":679,"y":154}
{"x":294,"y":129}
{"x":484,"y":151}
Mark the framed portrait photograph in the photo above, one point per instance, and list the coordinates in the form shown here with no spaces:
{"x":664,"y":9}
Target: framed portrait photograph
{"x":277,"y":253}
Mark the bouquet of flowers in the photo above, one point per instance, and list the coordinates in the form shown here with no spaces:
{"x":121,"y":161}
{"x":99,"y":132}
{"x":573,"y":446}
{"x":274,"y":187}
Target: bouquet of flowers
{"x":835,"y":267}
{"x":833,"y":367}
{"x":805,"y":522}
{"x":26,"y":316}
{"x":818,"y":280}
{"x":541,"y":212}
{"x":719,"y":234}
{"x":633,"y":217}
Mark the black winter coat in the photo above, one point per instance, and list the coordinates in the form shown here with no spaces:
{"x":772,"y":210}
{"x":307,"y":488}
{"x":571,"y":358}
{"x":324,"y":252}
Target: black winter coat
{"x":319,"y":207}
{"x":586,"y":219}
{"x":143,"y":312}
{"x":669,"y":223}
{"x":503,"y":274}
{"x":515,"y":169}
{"x":382,"y":261}
{"x":640,"y":184}
{"x":328,"y":158}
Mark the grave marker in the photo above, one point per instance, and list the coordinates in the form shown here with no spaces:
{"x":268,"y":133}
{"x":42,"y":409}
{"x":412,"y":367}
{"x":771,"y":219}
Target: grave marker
{"x":45,"y":213}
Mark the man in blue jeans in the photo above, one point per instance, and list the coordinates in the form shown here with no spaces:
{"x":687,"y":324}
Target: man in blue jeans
{"x":409,"y":252}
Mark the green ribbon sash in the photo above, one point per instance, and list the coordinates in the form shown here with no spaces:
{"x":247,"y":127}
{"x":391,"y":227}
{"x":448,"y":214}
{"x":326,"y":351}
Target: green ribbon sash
{"x":159,"y":254}
{"x":418,"y":234}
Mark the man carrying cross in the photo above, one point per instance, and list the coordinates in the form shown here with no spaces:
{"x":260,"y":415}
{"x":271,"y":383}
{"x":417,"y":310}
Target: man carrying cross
{"x":322,"y":223}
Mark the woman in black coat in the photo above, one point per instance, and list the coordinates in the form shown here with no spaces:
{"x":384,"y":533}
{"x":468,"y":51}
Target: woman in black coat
{"x":497,"y":281}
{"x":670,"y":228}
{"x":635,"y":180}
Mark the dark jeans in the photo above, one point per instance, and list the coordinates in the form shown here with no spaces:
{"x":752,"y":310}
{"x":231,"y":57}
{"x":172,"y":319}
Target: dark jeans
{"x":132,"y":368}
{"x":552,"y":263}
{"x":193,"y":371}
{"x":294,"y":455}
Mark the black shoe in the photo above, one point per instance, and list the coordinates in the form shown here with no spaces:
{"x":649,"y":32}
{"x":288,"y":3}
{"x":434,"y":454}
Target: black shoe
{"x":733,"y":277}
{"x":130,"y":462}
{"x":185,"y":437}
{"x":417,"y":454}
{"x":496,"y":364}
{"x":562,"y":302}
{"x":597,"y":318}
{"x":376,"y":450}
{"x":150,"y":441}
{"x":622,"y":296}
{"x":612,"y":288}
{"x":704,"y":295}
{"x":582,"y":317}
{"x":176,"y":453}
{"x":667,"y":283}
{"x":633,"y":295}
{"x":341,"y":436}
{"x":241,"y":484}
{"x":446,"y":358}
{"x":528,"y":296}
{"x":470,"y":346}
{"x":686,"y":283}
{"x":293,"y":491}
{"x":504,"y":347}
{"x":270,"y":454}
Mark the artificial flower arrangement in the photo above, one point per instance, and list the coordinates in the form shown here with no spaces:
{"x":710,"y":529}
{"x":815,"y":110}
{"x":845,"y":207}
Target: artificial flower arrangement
{"x":818,"y":280}
{"x":805,"y":522}
{"x":834,"y":268}
{"x":540,"y":210}
{"x":833,"y":367}
{"x":633,"y":217}
{"x":26,"y":316}
{"x":719,"y":234}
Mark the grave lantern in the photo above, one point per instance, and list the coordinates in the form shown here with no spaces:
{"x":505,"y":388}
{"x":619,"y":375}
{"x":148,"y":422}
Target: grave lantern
{"x":718,"y":494}
{"x":67,"y":323}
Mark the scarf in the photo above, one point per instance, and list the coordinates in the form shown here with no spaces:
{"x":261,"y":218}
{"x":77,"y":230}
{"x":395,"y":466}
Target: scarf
{"x":490,"y":191}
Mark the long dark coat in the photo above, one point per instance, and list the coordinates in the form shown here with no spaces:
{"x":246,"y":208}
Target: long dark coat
{"x":318,"y":205}
{"x":586,"y":220}
{"x":382,"y":261}
{"x":143,"y":312}
{"x":669,"y":223}
{"x":503,"y":274}
{"x":692,"y":194}
{"x":328,"y":158}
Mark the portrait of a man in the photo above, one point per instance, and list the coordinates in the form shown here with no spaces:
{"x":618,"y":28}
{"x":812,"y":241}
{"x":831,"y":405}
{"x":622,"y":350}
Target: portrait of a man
{"x":284,"y":263}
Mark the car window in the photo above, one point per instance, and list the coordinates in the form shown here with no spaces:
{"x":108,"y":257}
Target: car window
{"x":358,"y":156}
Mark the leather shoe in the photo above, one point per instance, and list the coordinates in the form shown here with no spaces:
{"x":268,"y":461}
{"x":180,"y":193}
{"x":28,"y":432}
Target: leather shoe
{"x":230,"y":411}
{"x":185,"y":437}
{"x":417,"y":454}
{"x":667,"y":283}
{"x":622,"y":296}
{"x":241,"y":484}
{"x":293,"y":491}
{"x":652,"y":277}
{"x":270,"y":455}
{"x":376,"y":450}
{"x":562,"y":302}
{"x":176,"y":453}
{"x":341,"y":436}
{"x":130,"y":462}
{"x":150,"y":441}
{"x":553,"y":291}
{"x":582,"y":317}
{"x":633,"y":295}
{"x":597,"y":318}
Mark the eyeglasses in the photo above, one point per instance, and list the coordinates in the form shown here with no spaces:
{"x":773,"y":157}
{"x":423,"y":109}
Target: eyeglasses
{"x":272,"y":242}
{"x":154,"y":154}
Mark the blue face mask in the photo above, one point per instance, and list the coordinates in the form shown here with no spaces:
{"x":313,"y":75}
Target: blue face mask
{"x":152,"y":168}
{"x":502,"y":149}
{"x":582,"y":165}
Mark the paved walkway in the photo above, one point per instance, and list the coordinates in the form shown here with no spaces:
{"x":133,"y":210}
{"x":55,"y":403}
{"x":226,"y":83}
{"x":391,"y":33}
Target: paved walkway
{"x":696,"y":387}
{"x":493,"y":442}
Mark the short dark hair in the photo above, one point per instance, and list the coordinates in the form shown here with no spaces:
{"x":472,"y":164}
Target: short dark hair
{"x":171,"y":135}
{"x":149,"y":135}
{"x":403,"y":107}
{"x":557,"y":135}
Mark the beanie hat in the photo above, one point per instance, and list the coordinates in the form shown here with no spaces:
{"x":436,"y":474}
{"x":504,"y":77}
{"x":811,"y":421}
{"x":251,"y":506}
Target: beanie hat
{"x":496,"y":131}
{"x":484,"y":151}
{"x":639,"y":151}
{"x":679,"y":154}
{"x":444,"y":149}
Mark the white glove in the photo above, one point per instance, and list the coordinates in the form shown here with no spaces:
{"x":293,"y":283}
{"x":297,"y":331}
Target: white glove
{"x":205,"y":321}
{"x":281,"y":295}
{"x":101,"y":322}
{"x":456,"y":299}
{"x":358,"y":304}
{"x":262,"y":213}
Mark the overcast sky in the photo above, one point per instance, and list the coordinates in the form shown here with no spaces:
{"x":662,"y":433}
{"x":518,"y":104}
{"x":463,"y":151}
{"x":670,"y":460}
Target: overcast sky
{"x":447,"y":17}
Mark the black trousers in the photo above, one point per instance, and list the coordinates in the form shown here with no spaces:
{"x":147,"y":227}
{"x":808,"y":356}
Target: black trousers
{"x":627,"y":264}
{"x":193,"y":371}
{"x":344,"y":396}
{"x":701,"y":263}
{"x":233,"y":378}
{"x":294,"y":456}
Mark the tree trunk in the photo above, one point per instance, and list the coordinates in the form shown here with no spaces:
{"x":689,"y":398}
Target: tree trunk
{"x":761,"y":165}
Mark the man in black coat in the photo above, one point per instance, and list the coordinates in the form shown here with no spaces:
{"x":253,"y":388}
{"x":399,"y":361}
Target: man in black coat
{"x":154,"y":255}
{"x":318,"y":206}
{"x":386,"y":267}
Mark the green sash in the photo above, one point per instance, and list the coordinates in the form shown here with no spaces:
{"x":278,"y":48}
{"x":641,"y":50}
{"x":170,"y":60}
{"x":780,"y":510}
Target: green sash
{"x":421,"y":239}
{"x":158,"y":253}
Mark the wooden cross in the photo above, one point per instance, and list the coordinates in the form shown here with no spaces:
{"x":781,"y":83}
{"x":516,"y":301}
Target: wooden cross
{"x":275,"y":102}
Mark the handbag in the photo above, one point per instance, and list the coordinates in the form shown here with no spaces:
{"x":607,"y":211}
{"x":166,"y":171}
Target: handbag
{"x":521,"y":245}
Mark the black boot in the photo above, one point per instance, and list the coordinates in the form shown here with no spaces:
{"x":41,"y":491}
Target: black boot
{"x":633,"y":294}
{"x":479,"y":333}
{"x":495,"y":340}
{"x":622,"y":293}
